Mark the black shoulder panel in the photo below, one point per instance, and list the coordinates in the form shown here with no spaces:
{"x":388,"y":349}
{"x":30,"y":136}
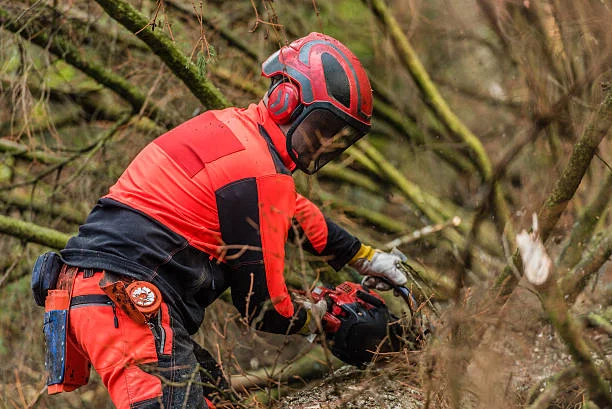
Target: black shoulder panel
{"x":238,"y":209}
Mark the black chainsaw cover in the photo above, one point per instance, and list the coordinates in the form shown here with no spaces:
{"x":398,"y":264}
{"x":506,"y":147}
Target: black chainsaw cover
{"x":363,"y":333}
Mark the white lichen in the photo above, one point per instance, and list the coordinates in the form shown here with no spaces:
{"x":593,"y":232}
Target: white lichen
{"x":536,"y":261}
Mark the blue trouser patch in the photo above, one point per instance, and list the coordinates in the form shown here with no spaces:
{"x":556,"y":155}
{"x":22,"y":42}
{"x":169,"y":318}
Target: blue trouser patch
{"x":55,"y":341}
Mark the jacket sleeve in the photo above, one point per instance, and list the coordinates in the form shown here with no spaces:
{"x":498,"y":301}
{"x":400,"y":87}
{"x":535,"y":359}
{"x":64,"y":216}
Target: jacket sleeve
{"x":320,"y":236}
{"x":255,"y":216}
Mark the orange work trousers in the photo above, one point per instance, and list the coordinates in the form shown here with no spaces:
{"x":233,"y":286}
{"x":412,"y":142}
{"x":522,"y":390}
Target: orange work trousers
{"x":143,"y":366}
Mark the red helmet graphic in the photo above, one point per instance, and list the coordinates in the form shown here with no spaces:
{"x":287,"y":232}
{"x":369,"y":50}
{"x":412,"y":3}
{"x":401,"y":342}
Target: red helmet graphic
{"x":322,"y":90}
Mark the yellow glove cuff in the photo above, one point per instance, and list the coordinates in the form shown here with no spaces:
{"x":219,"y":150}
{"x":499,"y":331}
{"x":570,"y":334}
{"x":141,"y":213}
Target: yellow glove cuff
{"x":305,"y":330}
{"x":365,"y":252}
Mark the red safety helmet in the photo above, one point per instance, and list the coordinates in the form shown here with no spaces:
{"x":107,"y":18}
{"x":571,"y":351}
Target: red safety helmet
{"x":322,"y":90}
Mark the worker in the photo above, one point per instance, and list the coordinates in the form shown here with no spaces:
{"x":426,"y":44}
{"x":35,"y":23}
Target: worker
{"x":209,"y":206}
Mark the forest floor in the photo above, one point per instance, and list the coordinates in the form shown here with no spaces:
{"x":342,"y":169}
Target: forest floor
{"x":518,"y":352}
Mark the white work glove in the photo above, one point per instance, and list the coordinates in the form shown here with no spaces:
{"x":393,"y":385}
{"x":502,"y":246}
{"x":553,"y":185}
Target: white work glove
{"x":315,"y":312}
{"x":374,"y":265}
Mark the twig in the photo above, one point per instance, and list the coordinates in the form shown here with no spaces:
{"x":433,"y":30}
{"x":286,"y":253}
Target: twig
{"x":418,"y":234}
{"x":225,"y":33}
{"x":93,"y":146}
{"x":102,"y":141}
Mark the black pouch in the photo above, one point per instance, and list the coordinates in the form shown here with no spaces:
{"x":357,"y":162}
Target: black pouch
{"x":44,"y":275}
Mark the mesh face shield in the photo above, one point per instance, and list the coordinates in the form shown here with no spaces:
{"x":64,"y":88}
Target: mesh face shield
{"x":319,"y":137}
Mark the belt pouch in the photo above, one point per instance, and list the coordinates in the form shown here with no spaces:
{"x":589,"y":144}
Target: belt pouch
{"x":44,"y":276}
{"x":66,"y":366}
{"x":117,"y":292}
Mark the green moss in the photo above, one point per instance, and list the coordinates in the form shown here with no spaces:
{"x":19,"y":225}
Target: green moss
{"x":12,"y":63}
{"x":63,"y":76}
{"x":6,"y":168}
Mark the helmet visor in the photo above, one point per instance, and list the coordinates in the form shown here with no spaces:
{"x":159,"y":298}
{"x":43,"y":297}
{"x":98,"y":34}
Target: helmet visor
{"x":319,"y":138}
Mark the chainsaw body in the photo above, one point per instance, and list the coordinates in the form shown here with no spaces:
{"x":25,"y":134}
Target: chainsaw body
{"x":357,"y":323}
{"x":345,"y":299}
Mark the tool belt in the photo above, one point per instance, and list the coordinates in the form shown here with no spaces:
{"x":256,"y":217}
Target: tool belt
{"x":52,"y":283}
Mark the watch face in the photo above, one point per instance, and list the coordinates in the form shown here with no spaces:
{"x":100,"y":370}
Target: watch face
{"x":320,"y":137}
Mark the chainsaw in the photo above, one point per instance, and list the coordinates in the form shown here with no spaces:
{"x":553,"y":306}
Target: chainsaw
{"x":358,"y":324}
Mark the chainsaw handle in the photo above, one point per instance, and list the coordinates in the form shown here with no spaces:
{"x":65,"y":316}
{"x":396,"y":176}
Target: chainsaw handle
{"x":369,"y":298}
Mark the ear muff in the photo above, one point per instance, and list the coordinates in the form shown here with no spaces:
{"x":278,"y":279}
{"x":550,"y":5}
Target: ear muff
{"x":283,"y":101}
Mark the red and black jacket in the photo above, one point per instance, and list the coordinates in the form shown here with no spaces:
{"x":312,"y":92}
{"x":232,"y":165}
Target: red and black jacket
{"x":207,"y":206}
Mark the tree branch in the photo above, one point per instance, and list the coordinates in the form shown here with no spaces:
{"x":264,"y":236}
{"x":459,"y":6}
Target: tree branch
{"x":22,"y":151}
{"x":33,"y":233}
{"x":541,"y":273}
{"x":571,"y":333}
{"x":43,"y":206}
{"x":586,"y":224}
{"x":430,"y":93}
{"x":574,"y":281}
{"x":163,"y":47}
{"x":579,"y":161}
{"x":565,"y":187}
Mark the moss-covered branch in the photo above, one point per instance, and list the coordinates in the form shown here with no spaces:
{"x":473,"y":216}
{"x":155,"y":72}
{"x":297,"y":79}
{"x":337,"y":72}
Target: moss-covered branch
{"x":432,"y":97}
{"x":574,"y":281}
{"x":25,"y":202}
{"x":164,"y":48}
{"x":428,"y":204}
{"x":430,"y":93}
{"x":585,"y":225}
{"x":600,"y":322}
{"x":344,"y":174}
{"x":409,"y":129}
{"x":579,"y":161}
{"x":377,"y":219}
{"x":33,"y":233}
{"x":436,"y":210}
{"x":22,"y":151}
